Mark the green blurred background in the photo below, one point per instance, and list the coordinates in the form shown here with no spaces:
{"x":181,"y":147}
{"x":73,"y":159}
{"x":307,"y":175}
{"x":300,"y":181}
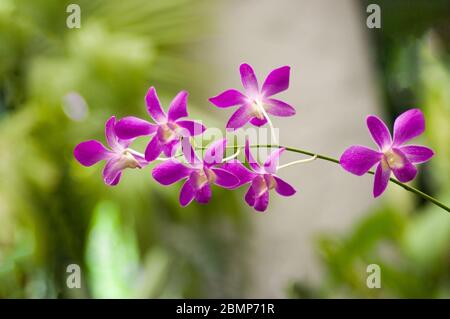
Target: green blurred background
{"x":59,"y":85}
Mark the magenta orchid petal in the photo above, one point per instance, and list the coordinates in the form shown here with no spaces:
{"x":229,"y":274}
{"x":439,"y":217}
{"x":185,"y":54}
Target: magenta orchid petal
{"x":228,"y":98}
{"x":408,"y":125}
{"x":277,"y":81}
{"x":271,"y":163}
{"x":278,"y":108}
{"x":130,"y":127}
{"x":203,"y":195}
{"x":214,"y":153}
{"x":258,"y":122}
{"x":190,"y":128}
{"x":283,"y":188}
{"x":178,"y":106}
{"x":110,"y":134}
{"x":154,"y":106}
{"x":359,"y":159}
{"x":261,"y":202}
{"x":169,"y":149}
{"x":240,"y":171}
{"x":249,"y":157}
{"x":90,"y":152}
{"x":187,"y":193}
{"x":248,"y":78}
{"x":405,"y":171}
{"x":417,"y":154}
{"x":153,"y":149}
{"x":382,"y":175}
{"x":240,"y":117}
{"x":224,"y":178}
{"x":111,"y":171}
{"x":250,"y":196}
{"x":170,"y":171}
{"x":379,"y":131}
{"x":116,"y":180}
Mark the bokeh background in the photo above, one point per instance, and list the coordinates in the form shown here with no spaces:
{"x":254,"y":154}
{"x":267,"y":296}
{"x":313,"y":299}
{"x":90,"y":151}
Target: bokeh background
{"x":59,"y":85}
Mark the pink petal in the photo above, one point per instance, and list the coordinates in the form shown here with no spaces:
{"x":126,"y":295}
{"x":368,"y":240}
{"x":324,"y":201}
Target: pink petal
{"x":408,"y":125}
{"x":190,"y":128}
{"x":250,"y":196}
{"x":170,"y":171}
{"x":214,"y":153}
{"x":240,"y":171}
{"x":90,"y":152}
{"x":249,"y":157}
{"x":382,"y":174}
{"x":169,"y":149}
{"x":111,"y":171}
{"x":154,"y":107}
{"x":359,"y":159}
{"x":178,"y":106}
{"x":228,"y":98}
{"x":187,"y":193}
{"x":277,"y":81}
{"x":262,"y":202}
{"x":278,"y":108}
{"x":248,"y":78}
{"x":379,"y":131}
{"x":258,"y":122}
{"x":417,"y":154}
{"x":154,"y":148}
{"x":224,"y":178}
{"x":203,"y":195}
{"x":116,"y":180}
{"x":239,"y":118}
{"x":110,"y":134}
{"x":271,"y":163}
{"x":283,"y":188}
{"x":130,"y":127}
{"x":407,"y":172}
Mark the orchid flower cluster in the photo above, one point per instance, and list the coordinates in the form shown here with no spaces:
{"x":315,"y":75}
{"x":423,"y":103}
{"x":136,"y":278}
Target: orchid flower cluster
{"x":173,"y":132}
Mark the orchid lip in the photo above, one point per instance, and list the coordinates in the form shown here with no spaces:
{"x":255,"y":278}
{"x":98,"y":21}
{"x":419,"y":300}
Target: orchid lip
{"x":167,"y":132}
{"x":203,"y":176}
{"x":127,"y":160}
{"x":392,"y":159}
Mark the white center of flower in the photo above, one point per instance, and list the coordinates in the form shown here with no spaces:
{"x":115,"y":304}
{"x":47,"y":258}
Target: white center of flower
{"x":167,"y":132}
{"x":258,"y":108}
{"x":127,"y":160}
{"x":203,"y":176}
{"x":392,"y":159}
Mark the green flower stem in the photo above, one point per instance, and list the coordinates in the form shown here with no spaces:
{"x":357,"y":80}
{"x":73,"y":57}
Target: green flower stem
{"x":336,"y":161}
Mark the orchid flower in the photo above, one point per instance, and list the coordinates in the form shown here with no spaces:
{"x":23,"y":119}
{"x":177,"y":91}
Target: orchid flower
{"x":255,"y":104}
{"x":118,"y":157}
{"x":392,"y":155}
{"x":167,"y":131}
{"x":199,"y":174}
{"x":262,"y":178}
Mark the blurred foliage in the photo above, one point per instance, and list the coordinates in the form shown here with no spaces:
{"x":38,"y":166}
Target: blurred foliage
{"x":409,"y":240}
{"x":57,"y":88}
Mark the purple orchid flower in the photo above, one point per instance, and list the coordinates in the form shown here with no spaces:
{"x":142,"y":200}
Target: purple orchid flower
{"x":199,"y":174}
{"x":392,"y":155}
{"x":262,"y":178}
{"x":168,"y":130}
{"x":254,"y":104}
{"x":118,"y":158}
